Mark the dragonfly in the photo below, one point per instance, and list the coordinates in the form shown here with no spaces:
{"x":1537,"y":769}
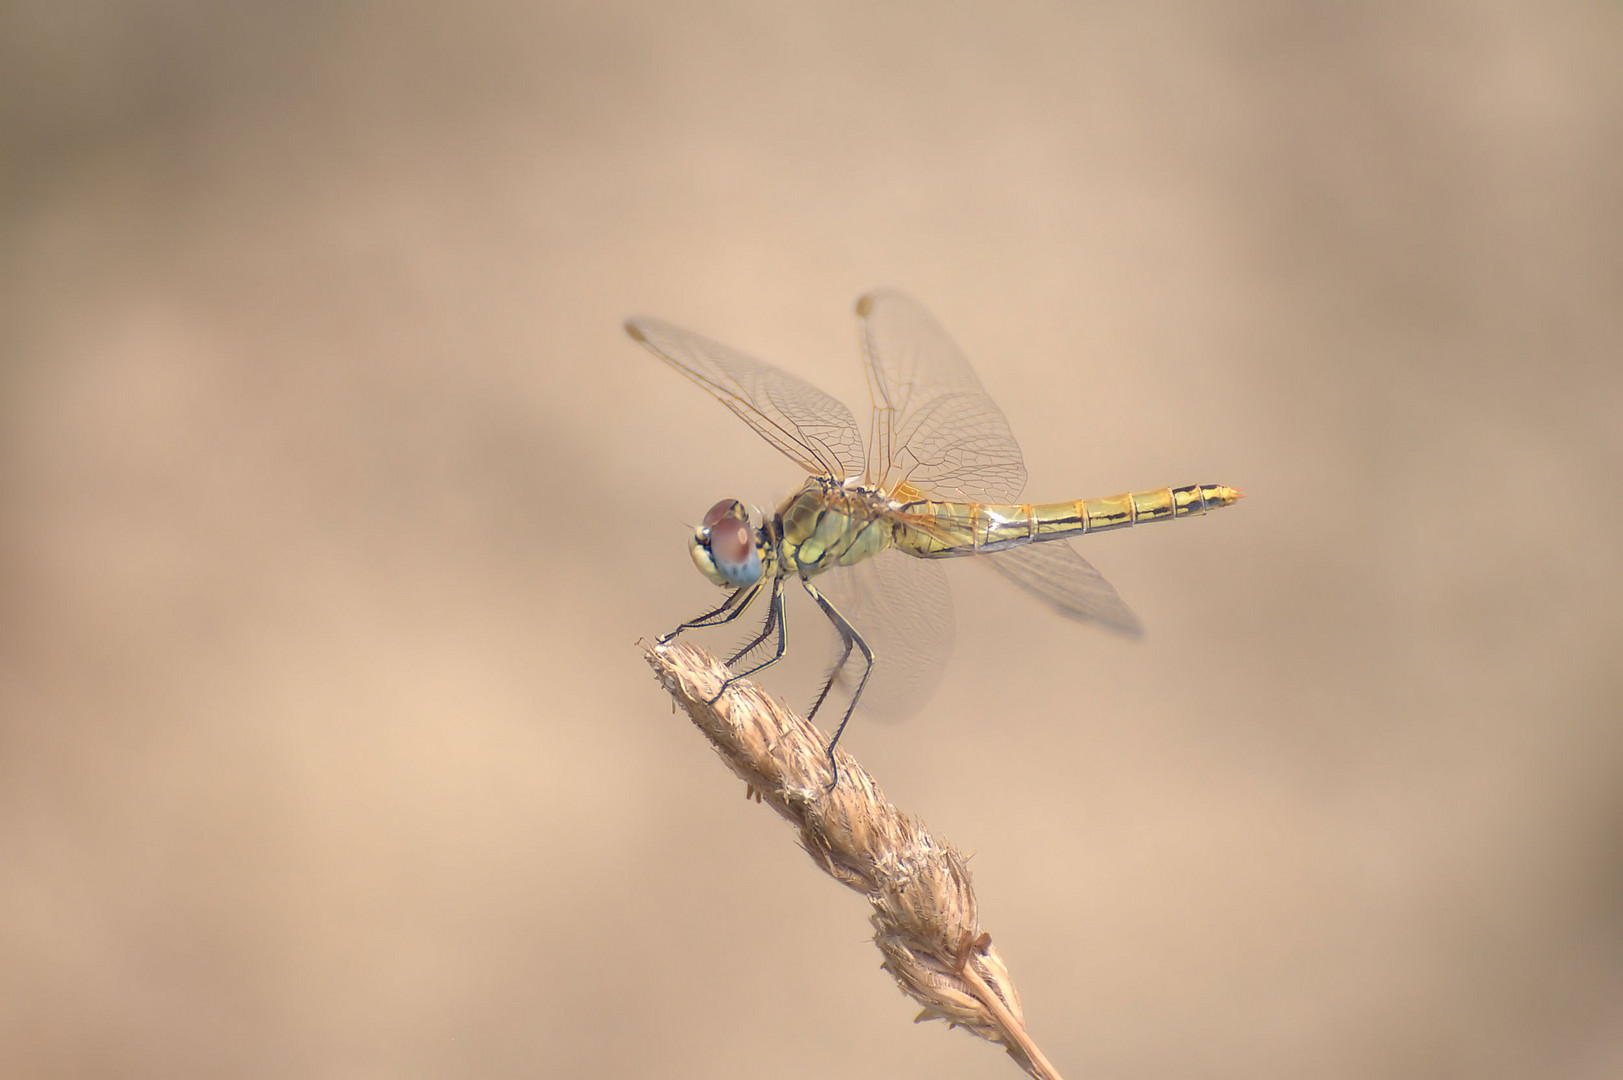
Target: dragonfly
{"x":938,"y":478}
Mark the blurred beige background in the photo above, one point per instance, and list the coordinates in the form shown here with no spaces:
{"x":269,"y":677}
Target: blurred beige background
{"x":335,"y":503}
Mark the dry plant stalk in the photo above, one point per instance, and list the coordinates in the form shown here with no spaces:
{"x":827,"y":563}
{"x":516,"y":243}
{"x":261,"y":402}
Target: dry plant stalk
{"x":924,"y":913}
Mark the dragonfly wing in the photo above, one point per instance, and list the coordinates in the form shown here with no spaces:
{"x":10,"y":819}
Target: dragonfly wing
{"x":903,"y":609}
{"x":1054,"y":572}
{"x":811,"y":428}
{"x":934,"y":426}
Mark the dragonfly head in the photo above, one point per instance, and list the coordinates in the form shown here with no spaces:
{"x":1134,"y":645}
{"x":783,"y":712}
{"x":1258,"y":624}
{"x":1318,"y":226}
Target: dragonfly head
{"x":723,"y":546}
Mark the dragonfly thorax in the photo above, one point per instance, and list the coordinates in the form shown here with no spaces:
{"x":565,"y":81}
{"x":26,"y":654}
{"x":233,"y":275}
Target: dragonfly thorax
{"x":828,"y":524}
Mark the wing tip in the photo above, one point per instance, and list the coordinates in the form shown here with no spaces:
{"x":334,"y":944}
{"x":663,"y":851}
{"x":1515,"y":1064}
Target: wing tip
{"x":1114,"y":616}
{"x":635,"y":330}
{"x":1123,"y":623}
{"x":866,"y":302}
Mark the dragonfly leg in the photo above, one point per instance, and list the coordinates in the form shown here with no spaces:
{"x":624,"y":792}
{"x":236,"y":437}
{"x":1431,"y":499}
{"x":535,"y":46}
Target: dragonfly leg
{"x":772,"y":614}
{"x":774,"y":618}
{"x":828,"y":683}
{"x":849,"y":635}
{"x":730,"y":609}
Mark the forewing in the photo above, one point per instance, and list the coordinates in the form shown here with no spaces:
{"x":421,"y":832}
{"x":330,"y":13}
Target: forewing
{"x":1066,"y":582}
{"x":934,"y":426}
{"x":902,"y":608}
{"x":808,"y":426}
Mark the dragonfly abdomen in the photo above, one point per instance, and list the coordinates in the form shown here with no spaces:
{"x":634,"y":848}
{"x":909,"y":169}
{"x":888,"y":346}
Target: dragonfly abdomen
{"x":1133,"y":508}
{"x":975,"y":528}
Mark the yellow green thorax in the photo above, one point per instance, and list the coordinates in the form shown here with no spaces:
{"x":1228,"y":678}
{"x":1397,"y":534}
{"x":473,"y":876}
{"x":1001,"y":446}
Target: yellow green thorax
{"x":824,"y":525}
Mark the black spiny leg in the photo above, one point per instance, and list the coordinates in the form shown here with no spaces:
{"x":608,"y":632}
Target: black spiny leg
{"x":772,"y":613}
{"x":774,"y":618}
{"x":828,"y":683}
{"x":849,"y":635}
{"x":730,"y":609}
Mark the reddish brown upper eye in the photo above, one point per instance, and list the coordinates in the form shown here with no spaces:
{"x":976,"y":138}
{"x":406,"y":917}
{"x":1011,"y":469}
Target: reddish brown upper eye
{"x":730,"y":541}
{"x":723,"y":509}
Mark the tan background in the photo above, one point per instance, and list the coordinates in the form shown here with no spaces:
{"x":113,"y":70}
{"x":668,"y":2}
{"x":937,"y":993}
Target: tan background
{"x":335,"y":503}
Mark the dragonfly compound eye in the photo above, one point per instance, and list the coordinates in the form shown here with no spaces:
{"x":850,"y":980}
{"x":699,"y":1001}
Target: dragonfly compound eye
{"x":726,"y":508}
{"x":725,"y":551}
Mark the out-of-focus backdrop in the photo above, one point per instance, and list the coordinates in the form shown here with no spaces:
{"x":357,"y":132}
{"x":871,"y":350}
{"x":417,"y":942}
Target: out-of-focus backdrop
{"x":335,"y":503}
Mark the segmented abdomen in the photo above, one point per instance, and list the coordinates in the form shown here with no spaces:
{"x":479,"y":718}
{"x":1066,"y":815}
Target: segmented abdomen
{"x":945,"y":529}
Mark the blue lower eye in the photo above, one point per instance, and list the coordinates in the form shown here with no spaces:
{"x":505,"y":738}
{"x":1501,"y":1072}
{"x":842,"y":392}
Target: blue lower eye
{"x":745,"y":572}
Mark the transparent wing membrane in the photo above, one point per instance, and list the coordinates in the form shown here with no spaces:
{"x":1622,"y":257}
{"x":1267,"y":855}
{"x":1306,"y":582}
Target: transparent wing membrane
{"x":933,"y":426}
{"x":1054,"y":573}
{"x":812,"y":429}
{"x":903,"y":609}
